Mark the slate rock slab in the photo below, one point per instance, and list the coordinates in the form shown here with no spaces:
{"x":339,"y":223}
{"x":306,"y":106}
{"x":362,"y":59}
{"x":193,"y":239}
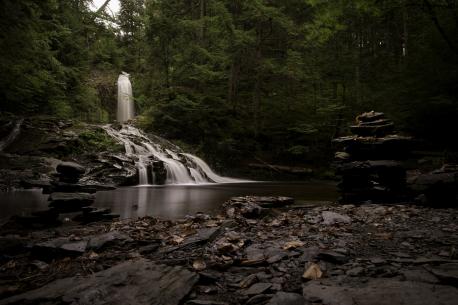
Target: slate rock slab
{"x":139,"y":282}
{"x":59,"y":247}
{"x":257,"y":288}
{"x":286,"y":298}
{"x":70,"y":202}
{"x":381,"y":292}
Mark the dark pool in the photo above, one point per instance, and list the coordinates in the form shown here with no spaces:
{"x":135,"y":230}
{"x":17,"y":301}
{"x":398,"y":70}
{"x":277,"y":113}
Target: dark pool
{"x":173,"y":201}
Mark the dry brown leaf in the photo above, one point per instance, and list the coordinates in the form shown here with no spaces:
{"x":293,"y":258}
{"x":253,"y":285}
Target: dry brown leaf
{"x":313,"y":272}
{"x":199,"y":265}
{"x":293,"y":244}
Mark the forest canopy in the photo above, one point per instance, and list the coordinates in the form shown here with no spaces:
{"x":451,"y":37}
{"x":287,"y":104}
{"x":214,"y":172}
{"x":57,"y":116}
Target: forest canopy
{"x":237,"y":77}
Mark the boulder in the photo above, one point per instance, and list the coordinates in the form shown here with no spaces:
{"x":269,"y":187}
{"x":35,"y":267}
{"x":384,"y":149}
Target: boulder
{"x":70,"y":171}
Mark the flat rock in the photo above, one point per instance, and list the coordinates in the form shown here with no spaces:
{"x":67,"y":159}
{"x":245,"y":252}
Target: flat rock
{"x":381,"y":292}
{"x":139,"y":282}
{"x":59,"y":247}
{"x":332,"y":218}
{"x":70,"y":202}
{"x":257,"y":288}
{"x":202,"y":236}
{"x":99,"y":241}
{"x":286,"y":298}
{"x":370,"y":116}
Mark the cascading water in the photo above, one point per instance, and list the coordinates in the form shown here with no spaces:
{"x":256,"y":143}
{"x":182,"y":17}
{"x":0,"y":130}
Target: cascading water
{"x":12,"y":135}
{"x":125,"y":99}
{"x":208,"y":171}
{"x":180,"y":168}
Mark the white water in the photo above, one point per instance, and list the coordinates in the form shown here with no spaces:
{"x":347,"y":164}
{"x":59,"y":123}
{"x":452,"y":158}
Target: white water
{"x":208,"y":171}
{"x":181,"y":168}
{"x":125,"y":99}
{"x":12,"y":136}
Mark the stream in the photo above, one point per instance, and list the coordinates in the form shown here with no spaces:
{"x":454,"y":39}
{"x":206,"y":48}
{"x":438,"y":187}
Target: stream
{"x":173,"y":201}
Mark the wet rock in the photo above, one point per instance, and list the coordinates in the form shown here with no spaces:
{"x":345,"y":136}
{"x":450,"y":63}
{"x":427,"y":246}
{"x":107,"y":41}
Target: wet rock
{"x":332,"y":218}
{"x":70,"y":171}
{"x":287,"y":298}
{"x":273,"y":202}
{"x":380,"y":292}
{"x":70,"y":202}
{"x":64,"y":187}
{"x":138,"y":282}
{"x":99,"y":241}
{"x":58,"y":248}
{"x":257,"y":288}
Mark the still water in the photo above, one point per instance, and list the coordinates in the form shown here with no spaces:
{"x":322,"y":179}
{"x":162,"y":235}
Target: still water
{"x":173,"y":201}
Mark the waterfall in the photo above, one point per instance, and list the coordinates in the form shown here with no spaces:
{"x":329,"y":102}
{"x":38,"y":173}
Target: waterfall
{"x":125,"y":99}
{"x":208,"y":171}
{"x":142,"y":171}
{"x":12,"y":136}
{"x":181,"y":168}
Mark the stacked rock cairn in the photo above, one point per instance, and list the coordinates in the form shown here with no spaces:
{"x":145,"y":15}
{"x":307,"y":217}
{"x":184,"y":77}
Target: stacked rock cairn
{"x":370,"y":161}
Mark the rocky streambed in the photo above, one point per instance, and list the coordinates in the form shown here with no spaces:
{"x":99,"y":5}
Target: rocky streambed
{"x":260,"y":250}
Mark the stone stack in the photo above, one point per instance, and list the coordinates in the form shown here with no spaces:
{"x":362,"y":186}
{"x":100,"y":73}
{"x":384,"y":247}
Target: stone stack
{"x":69,"y":199}
{"x":369,"y":161}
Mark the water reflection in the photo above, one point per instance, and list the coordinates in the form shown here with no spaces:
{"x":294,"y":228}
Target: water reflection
{"x":172,"y":201}
{"x":180,"y":200}
{"x":21,"y":203}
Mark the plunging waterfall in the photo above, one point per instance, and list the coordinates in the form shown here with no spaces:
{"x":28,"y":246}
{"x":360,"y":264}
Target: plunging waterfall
{"x":125,"y":99}
{"x":161,"y":162}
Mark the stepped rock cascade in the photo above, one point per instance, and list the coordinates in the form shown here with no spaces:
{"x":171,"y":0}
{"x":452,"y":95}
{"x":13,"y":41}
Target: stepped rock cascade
{"x":11,"y":136}
{"x":125,"y":99}
{"x":159,"y":165}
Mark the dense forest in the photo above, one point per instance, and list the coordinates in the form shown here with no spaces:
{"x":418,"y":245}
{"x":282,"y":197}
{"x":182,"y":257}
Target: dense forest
{"x":237,"y":79}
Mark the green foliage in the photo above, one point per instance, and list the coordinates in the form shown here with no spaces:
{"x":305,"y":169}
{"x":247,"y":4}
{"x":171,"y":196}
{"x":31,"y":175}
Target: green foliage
{"x":97,"y":140}
{"x":238,"y":79}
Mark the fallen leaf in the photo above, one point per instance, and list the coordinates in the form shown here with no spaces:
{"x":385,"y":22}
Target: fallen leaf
{"x":199,"y":265}
{"x":293,"y":244}
{"x":313,"y":272}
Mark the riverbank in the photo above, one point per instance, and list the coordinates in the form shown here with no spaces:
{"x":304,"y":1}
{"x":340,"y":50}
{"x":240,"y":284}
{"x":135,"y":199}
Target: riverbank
{"x":257,"y":251}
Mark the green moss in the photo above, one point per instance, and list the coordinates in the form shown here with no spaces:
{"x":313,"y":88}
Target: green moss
{"x":97,"y":140}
